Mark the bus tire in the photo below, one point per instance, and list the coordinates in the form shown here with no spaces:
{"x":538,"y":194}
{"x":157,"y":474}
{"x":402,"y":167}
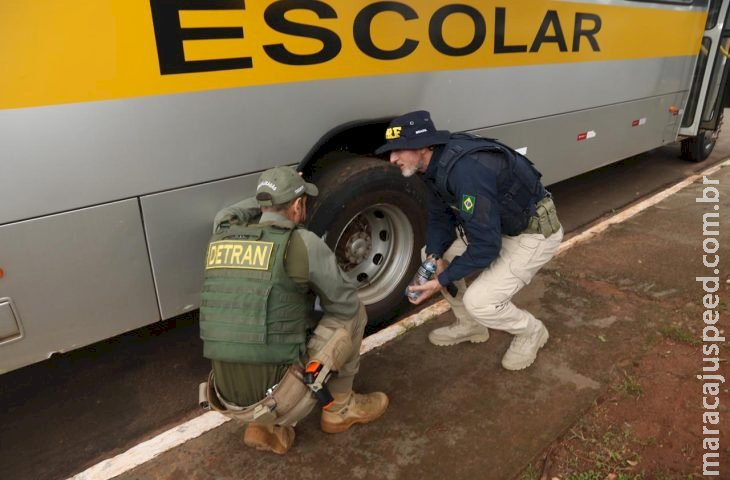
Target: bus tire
{"x":373,"y":218}
{"x":697,"y":149}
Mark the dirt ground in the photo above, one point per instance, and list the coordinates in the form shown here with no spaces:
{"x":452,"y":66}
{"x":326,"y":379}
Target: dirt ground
{"x":646,"y":423}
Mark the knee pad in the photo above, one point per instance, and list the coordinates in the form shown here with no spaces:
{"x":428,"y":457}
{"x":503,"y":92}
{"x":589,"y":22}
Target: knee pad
{"x":330,"y":347}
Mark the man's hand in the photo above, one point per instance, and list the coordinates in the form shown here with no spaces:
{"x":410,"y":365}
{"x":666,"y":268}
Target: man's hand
{"x":441,"y":265}
{"x":427,"y":290}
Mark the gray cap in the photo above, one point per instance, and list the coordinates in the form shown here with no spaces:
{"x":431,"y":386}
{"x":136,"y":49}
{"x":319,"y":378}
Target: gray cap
{"x":279,"y":185}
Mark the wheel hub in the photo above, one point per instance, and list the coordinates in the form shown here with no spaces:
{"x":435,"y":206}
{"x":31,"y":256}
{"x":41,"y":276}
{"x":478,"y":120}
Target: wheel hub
{"x":358,"y":247}
{"x":375,"y":249}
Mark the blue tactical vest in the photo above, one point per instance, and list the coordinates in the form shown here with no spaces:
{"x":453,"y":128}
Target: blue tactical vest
{"x":518,"y":181}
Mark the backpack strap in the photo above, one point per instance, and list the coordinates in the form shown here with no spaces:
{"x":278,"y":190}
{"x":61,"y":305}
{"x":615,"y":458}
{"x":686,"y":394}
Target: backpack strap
{"x":446,"y":163}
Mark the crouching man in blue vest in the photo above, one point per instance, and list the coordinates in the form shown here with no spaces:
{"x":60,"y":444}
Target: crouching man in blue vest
{"x":262,"y":273}
{"x":507,"y":223}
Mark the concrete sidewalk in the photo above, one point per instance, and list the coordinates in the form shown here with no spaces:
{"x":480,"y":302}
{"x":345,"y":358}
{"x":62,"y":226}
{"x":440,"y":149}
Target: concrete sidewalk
{"x":455,"y":412}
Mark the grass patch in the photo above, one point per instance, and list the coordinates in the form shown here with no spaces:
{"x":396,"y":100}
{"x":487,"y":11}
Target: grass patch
{"x":593,"y":475}
{"x":530,"y":473}
{"x":679,"y":334}
{"x":629,"y":386}
{"x":592,"y":455}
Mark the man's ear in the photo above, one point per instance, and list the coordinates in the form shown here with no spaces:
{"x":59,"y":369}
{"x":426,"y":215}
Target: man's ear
{"x":302,"y":209}
{"x":296,"y":207}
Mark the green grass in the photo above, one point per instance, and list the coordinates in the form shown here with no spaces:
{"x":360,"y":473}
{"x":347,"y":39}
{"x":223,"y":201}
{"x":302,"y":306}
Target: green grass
{"x":629,"y":386}
{"x":530,"y":473}
{"x":610,"y":452}
{"x":593,"y":475}
{"x":586,"y":476}
{"x":679,"y":334}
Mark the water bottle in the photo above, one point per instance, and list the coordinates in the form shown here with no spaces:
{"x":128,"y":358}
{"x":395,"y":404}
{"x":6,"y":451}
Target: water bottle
{"x":425,"y":273}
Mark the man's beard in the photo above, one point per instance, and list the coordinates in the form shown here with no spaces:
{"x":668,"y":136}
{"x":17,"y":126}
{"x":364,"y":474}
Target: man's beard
{"x":408,"y":172}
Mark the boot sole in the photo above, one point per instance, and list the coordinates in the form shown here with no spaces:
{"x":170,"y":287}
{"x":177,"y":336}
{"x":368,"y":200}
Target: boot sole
{"x":542,"y":343}
{"x":472,"y":339}
{"x":341,"y":427}
{"x":262,"y":447}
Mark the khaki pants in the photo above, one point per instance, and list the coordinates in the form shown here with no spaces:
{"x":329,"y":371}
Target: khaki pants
{"x":488,"y":300}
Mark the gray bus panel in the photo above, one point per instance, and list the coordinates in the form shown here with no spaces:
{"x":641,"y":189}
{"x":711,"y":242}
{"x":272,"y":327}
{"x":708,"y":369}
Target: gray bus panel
{"x":178,"y":226}
{"x":75,"y":278}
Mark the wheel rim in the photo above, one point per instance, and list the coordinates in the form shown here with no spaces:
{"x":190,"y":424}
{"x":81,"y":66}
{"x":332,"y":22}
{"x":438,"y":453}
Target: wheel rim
{"x":375,"y":249}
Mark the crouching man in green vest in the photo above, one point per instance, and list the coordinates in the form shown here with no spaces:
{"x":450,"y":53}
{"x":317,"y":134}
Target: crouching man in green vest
{"x":262,"y":274}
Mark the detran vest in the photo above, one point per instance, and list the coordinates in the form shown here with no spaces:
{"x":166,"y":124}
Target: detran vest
{"x":518,"y":183}
{"x":251,"y":311}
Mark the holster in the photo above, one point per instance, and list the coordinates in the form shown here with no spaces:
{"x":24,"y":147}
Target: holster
{"x":327,"y":356}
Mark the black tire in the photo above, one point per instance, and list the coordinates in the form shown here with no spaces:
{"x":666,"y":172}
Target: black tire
{"x":698,"y":149}
{"x":361,"y":194}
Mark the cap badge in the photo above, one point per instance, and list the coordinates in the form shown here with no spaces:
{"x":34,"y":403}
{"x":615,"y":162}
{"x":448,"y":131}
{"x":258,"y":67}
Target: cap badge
{"x":392,"y":133}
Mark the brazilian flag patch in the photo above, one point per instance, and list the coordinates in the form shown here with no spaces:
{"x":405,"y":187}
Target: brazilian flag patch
{"x":467,"y":203}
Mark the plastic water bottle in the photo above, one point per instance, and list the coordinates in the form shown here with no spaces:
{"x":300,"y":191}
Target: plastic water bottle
{"x":425,"y":273}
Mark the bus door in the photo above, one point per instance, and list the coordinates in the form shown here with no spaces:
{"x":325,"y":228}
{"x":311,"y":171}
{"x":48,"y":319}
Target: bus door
{"x":703,"y":112}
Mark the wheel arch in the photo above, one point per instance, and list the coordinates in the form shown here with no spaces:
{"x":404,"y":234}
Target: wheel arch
{"x":353,"y":139}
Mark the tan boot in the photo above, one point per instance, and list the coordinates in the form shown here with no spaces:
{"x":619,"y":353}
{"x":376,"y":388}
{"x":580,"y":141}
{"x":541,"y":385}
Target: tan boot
{"x":269,"y":438}
{"x":352,"y":408}
{"x":457,"y":332}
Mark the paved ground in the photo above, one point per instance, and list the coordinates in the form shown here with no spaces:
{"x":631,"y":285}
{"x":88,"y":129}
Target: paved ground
{"x":455,"y":413}
{"x":66,"y":414}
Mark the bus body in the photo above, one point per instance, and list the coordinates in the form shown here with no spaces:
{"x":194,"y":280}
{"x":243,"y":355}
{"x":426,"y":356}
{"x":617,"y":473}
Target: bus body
{"x":126,"y":125}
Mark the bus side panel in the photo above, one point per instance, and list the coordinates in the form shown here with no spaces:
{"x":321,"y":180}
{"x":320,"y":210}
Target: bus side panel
{"x":73,"y":279}
{"x":178,"y":226}
{"x":106,"y":151}
{"x":471,"y":99}
{"x":111,"y":150}
{"x":566,"y":145}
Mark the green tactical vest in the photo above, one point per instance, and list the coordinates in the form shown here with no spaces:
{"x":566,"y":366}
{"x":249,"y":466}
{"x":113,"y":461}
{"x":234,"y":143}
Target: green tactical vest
{"x":251,"y":311}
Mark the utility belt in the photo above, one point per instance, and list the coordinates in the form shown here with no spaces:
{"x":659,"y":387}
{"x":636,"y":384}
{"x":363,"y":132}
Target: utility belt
{"x":545,"y":220}
{"x":298,"y":391}
{"x":286,"y":400}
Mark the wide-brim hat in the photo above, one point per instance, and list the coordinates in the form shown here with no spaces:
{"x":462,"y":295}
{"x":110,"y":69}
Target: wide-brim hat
{"x":279,"y":185}
{"x":412,"y":131}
